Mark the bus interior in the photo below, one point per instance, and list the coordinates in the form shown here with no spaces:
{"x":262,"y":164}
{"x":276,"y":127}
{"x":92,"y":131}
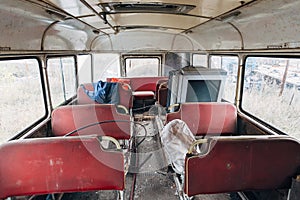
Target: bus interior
{"x":149,"y":99}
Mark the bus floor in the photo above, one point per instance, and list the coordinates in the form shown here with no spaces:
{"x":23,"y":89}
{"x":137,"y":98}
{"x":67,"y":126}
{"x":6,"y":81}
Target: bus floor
{"x":148,"y":176}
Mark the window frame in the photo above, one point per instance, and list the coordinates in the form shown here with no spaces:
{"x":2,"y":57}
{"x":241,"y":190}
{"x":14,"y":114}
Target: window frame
{"x":237,"y":74}
{"x":76,"y":78}
{"x":140,"y":56}
{"x":241,"y":90}
{"x":44,"y":95}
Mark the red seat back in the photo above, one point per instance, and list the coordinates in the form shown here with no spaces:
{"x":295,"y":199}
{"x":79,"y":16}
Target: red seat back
{"x":69,"y":118}
{"x":145,"y":83}
{"x":124,"y":94}
{"x":234,"y":164}
{"x":82,"y":97}
{"x":207,"y":117}
{"x":59,"y":164}
{"x":162,"y":92}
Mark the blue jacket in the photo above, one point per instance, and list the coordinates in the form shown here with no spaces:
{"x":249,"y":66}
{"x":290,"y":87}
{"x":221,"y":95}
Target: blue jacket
{"x":104,"y":92}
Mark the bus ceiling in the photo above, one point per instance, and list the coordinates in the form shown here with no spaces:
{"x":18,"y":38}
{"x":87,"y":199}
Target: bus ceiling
{"x":84,"y":25}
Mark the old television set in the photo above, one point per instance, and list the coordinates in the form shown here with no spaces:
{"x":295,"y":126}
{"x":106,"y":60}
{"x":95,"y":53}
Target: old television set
{"x":196,"y":84}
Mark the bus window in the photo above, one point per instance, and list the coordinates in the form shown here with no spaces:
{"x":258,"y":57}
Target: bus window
{"x":271,"y":92}
{"x":21,"y":100}
{"x":199,"y":60}
{"x":230,"y":64}
{"x":106,"y":65}
{"x":62,"y":79}
{"x":84,"y":68}
{"x":142,"y":66}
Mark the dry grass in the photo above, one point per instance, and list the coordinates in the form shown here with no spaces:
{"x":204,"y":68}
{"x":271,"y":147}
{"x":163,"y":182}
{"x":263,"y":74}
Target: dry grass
{"x":21,"y":100}
{"x":282,"y":112}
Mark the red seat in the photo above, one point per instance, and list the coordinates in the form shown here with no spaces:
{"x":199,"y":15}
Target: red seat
{"x":237,"y":163}
{"x":143,"y":87}
{"x":82,"y":97}
{"x":58,"y":164}
{"x":162,"y":92}
{"x":212,"y":118}
{"x":69,"y":118}
{"x":145,"y":83}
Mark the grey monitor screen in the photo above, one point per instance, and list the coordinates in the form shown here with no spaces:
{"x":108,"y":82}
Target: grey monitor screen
{"x":203,"y":90}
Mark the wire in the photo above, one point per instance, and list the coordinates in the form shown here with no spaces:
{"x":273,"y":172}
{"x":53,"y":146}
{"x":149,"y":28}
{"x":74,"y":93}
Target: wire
{"x":93,"y":124}
{"x":110,"y":121}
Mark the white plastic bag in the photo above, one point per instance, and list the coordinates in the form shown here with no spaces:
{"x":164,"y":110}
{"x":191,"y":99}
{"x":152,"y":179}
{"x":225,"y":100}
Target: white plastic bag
{"x":176,"y":139}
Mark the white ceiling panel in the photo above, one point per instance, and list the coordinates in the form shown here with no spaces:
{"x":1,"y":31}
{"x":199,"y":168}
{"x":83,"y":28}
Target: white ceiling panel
{"x":202,"y":10}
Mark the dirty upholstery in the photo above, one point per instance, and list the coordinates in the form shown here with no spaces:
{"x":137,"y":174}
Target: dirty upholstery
{"x":207,"y":118}
{"x":58,"y":164}
{"x":69,"y":118}
{"x":239,"y":163}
